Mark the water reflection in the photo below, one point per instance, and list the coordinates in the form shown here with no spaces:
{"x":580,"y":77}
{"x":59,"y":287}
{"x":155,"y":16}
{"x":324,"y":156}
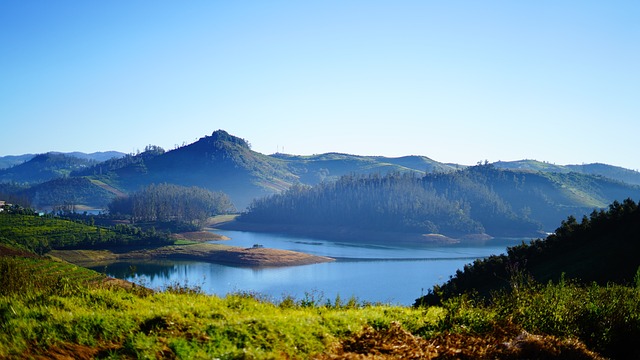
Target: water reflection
{"x":369,"y":272}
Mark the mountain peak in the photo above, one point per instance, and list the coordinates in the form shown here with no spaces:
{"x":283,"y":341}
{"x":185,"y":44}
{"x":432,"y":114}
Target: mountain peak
{"x":221,"y":136}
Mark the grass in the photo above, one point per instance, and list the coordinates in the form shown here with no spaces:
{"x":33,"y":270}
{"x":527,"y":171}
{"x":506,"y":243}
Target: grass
{"x":52,"y":308}
{"x":175,"y":323}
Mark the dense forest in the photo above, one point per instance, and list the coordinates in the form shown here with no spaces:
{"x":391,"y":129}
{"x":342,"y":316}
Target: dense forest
{"x":396,"y":202}
{"x":478,"y":199}
{"x":454,"y":204}
{"x":167,"y":203}
{"x":602,"y":248}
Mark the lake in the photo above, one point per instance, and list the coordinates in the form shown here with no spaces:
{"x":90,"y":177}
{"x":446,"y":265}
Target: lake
{"x":369,"y":272}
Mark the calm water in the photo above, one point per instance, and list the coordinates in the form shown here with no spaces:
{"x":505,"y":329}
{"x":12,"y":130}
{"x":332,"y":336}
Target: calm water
{"x":370,"y":272}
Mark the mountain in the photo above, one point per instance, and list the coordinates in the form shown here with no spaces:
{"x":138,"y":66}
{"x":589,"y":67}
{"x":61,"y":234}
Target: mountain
{"x":98,"y":156}
{"x":313,"y":169}
{"x":44,"y":167}
{"x":223,"y":162}
{"x":12,"y":160}
{"x":220,"y":162}
{"x":478,"y":199}
{"x":610,"y":171}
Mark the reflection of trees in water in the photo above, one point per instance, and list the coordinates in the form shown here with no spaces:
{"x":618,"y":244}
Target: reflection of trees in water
{"x":150,"y":270}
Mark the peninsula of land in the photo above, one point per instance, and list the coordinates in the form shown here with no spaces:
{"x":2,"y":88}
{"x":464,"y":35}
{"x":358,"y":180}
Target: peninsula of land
{"x":215,"y":253}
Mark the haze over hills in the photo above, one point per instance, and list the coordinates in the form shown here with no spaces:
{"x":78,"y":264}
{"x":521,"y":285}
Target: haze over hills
{"x":13,"y":160}
{"x":610,"y":171}
{"x":476,"y":200}
{"x":544,"y":192}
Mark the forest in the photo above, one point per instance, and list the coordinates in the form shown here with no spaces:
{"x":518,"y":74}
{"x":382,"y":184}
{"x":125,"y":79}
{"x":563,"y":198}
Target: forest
{"x":172,"y":203}
{"x":453,"y":204}
{"x":602,"y":248}
{"x":474,"y":200}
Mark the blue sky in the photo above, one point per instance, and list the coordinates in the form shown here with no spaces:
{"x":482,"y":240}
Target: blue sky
{"x":457,"y":81}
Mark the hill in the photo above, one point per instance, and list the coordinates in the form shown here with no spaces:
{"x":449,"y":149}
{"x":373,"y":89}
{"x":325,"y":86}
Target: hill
{"x":601,"y":248}
{"x":226,"y":163}
{"x":313,"y":169}
{"x":44,"y":167}
{"x":609,"y":171}
{"x":66,"y":193}
{"x":476,"y":200}
{"x":11,"y":160}
{"x":220,"y":162}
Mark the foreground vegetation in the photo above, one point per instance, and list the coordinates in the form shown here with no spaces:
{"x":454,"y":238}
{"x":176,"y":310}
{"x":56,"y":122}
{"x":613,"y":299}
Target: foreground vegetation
{"x":27,"y":230}
{"x":50,"y":309}
{"x":601,"y":248}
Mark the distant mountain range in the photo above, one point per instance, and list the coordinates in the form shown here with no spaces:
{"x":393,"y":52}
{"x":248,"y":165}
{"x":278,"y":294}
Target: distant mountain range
{"x":12,"y":160}
{"x":610,"y":171}
{"x":223,"y":162}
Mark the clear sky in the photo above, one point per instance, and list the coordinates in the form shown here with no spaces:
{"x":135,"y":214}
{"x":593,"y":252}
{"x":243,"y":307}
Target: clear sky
{"x":457,"y":81}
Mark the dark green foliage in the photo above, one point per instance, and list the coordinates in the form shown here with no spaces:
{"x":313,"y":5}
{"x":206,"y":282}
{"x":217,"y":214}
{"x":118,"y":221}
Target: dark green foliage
{"x":167,"y":203}
{"x":605,"y":318}
{"x":453,"y":204}
{"x":477,"y":199}
{"x":65,"y":193}
{"x":43,"y":233}
{"x":13,"y":193}
{"x":601,"y":248}
{"x":396,"y":202}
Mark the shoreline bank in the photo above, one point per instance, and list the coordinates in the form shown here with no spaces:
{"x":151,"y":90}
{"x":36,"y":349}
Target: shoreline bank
{"x":214,"y":253}
{"x":350,"y":234}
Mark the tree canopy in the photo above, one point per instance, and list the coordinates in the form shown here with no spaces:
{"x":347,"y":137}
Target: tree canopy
{"x":168,"y":202}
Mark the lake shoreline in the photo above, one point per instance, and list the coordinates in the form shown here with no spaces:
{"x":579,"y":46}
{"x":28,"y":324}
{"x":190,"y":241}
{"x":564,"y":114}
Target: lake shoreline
{"x":349,"y":234}
{"x":214,"y":253}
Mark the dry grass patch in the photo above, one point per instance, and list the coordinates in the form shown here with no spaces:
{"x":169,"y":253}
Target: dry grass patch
{"x":502,"y":343}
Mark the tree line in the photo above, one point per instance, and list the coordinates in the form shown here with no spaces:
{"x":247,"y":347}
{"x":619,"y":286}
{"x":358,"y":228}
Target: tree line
{"x":168,"y":202}
{"x":602,"y":247}
{"x":451,"y":204}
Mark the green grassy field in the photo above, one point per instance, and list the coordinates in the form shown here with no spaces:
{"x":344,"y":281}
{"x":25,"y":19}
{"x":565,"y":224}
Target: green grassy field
{"x":50,"y":308}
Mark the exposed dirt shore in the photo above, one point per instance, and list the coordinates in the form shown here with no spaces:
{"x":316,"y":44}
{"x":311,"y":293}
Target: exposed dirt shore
{"x":216,"y":253}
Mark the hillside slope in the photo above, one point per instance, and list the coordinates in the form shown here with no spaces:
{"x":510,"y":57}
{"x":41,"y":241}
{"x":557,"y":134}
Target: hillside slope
{"x":44,"y":167}
{"x":601,"y":248}
{"x":609,"y":171}
{"x":476,"y":200}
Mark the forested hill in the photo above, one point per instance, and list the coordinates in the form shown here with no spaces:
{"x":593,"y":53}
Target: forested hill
{"x":480,"y":199}
{"x":44,"y":167}
{"x":220,"y":162}
{"x":313,"y":169}
{"x":609,"y":171}
{"x":226,"y":163}
{"x":603,"y":247}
